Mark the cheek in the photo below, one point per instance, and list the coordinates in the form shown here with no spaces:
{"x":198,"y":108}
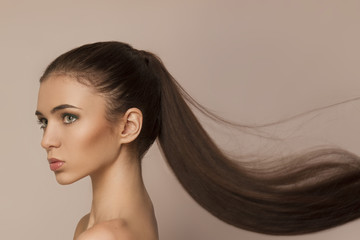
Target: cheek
{"x":92,"y":146}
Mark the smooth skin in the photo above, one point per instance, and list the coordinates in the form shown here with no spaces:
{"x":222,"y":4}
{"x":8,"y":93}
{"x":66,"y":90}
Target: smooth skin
{"x":77,"y":132}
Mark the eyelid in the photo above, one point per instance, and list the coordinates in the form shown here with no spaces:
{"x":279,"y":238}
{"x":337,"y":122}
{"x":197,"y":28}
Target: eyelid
{"x":42,"y":123}
{"x":65,"y":115}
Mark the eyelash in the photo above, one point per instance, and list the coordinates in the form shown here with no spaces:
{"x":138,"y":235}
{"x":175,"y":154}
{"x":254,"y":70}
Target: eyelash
{"x":42,"y":122}
{"x":69,"y":118}
{"x":66,"y":117}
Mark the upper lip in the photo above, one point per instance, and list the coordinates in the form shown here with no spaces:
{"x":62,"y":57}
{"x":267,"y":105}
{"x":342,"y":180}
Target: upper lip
{"x":52,"y":160}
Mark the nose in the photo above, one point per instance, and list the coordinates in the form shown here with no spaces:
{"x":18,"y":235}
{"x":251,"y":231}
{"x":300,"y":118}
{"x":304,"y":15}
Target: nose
{"x":50,"y":139}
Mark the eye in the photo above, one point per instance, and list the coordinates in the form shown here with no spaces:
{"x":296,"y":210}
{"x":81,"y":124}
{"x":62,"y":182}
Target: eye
{"x":69,"y":118}
{"x":43,"y":123}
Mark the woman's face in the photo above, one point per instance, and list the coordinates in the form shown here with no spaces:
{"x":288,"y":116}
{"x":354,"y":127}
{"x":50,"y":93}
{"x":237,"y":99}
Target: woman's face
{"x":78,"y":139}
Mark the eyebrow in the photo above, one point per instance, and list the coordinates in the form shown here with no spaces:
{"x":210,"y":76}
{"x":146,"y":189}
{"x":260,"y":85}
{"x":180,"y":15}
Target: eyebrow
{"x":57,"y":108}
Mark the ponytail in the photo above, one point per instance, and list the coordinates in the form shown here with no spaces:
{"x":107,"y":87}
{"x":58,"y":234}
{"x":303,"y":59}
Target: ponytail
{"x":307,"y":192}
{"x":310,"y":192}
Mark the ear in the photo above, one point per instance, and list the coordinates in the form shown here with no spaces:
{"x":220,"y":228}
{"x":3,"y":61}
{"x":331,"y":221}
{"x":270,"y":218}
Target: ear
{"x":130,"y":126}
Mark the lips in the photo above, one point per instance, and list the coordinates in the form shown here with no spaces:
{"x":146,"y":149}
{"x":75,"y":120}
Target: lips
{"x":55,"y":164}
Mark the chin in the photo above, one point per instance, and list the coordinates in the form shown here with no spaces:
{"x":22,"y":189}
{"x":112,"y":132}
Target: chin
{"x":65,"y":179}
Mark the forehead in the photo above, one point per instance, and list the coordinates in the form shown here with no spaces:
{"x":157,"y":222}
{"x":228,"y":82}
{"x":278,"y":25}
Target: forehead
{"x":62,"y":89}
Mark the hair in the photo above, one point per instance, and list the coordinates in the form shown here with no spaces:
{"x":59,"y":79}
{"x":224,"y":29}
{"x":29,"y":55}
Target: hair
{"x":303,"y":193}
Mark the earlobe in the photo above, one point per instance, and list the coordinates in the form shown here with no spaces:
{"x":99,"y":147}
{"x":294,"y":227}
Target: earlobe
{"x":131,"y":125}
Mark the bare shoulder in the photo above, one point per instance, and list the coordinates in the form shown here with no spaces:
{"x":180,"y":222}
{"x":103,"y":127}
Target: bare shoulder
{"x":109,"y":230}
{"x":81,"y":226}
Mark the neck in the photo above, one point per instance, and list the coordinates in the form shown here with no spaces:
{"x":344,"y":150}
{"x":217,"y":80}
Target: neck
{"x":119,"y":193}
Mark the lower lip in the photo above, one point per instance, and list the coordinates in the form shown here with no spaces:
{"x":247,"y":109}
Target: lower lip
{"x":54,"y":166}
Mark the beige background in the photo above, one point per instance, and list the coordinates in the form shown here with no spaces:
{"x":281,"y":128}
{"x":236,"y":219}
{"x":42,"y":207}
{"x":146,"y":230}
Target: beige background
{"x":251,"y":61}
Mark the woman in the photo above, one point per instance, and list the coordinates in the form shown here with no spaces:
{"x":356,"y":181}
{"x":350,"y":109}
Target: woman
{"x":102,"y":105}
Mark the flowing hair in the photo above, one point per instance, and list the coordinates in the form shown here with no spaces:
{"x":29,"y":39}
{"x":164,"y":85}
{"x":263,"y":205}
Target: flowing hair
{"x":302,"y":193}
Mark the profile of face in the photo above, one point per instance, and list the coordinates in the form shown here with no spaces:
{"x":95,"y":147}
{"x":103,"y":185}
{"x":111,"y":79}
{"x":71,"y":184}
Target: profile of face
{"x":77,"y":137}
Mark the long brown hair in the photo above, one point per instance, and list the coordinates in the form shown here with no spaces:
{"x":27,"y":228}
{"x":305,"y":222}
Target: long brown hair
{"x":303,"y":193}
